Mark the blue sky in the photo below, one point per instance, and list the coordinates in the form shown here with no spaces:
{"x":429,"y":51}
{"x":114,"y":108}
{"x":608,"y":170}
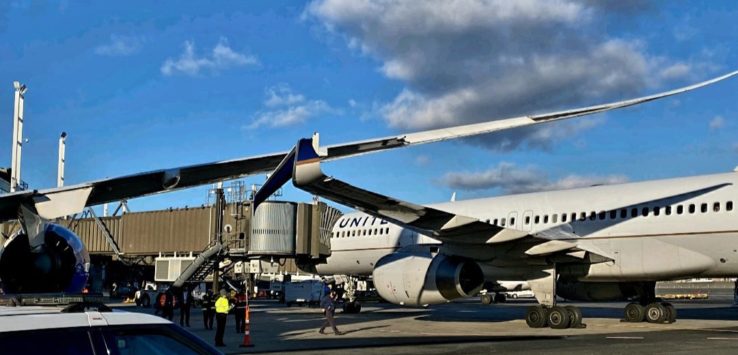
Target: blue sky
{"x":149,"y":85}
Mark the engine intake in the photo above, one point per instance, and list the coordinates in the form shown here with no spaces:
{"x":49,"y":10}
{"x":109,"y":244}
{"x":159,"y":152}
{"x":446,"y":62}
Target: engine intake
{"x":414,"y":277}
{"x":60,"y":265}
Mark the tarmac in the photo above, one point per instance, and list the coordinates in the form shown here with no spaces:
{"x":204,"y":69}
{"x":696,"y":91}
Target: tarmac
{"x":470,"y":327}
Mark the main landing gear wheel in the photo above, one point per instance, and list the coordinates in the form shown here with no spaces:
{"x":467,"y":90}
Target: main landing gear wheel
{"x":634,"y":313}
{"x":656,"y":313}
{"x":672,"y":313}
{"x":558,"y":318}
{"x":536,"y":316}
{"x":351,"y":307}
{"x":575,"y":317}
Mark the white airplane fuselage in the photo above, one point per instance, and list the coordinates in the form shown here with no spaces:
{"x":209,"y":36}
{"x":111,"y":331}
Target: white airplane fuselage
{"x":652,"y":230}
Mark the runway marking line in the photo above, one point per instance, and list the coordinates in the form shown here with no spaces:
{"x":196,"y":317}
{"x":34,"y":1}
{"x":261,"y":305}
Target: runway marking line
{"x":626,"y":338}
{"x":721,"y":338}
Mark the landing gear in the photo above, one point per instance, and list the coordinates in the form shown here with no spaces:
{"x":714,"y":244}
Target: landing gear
{"x":548,"y":313}
{"x":650,"y":309}
{"x":486,"y":298}
{"x":352,"y":305}
{"x":489,"y":299}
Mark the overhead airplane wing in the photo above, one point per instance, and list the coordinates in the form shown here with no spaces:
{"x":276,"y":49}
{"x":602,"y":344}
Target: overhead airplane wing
{"x":58,"y":202}
{"x":304,"y":167}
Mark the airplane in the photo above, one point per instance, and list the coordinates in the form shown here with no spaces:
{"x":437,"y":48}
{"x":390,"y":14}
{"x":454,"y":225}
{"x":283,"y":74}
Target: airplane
{"x":44,"y":256}
{"x":597,"y":243}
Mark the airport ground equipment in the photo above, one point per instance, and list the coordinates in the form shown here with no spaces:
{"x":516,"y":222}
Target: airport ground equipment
{"x":304,"y":293}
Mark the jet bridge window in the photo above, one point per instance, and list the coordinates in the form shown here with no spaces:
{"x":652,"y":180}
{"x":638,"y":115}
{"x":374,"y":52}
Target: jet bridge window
{"x":703,"y":208}
{"x":716,"y":207}
{"x":729,"y":206}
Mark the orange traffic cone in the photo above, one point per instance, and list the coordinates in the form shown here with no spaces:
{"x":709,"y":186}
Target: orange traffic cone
{"x":247,"y":330}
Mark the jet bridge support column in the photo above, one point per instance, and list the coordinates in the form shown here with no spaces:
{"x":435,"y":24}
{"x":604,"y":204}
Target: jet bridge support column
{"x":220,"y":204}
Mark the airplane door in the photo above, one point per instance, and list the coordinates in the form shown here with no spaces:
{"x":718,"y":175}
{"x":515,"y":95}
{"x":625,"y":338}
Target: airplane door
{"x":512,"y":220}
{"x":527,"y":216}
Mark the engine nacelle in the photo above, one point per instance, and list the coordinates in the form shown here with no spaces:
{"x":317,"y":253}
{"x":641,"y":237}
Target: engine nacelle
{"x":60,"y":265}
{"x":600,"y":291}
{"x":414,"y":277}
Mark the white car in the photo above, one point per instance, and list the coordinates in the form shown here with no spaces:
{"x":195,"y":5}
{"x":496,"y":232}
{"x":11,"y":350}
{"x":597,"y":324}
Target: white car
{"x":98,"y":330}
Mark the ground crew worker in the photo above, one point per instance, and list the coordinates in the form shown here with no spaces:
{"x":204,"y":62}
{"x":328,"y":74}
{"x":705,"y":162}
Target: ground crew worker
{"x":222,"y":306}
{"x":240,"y":311}
{"x":184,"y":307}
{"x":207,"y":310}
{"x":328,"y":303}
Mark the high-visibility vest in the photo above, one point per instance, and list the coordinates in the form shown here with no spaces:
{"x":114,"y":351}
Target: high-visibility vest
{"x":222,"y":305}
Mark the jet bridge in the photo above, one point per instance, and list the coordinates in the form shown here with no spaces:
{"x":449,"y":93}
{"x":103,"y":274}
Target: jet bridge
{"x":288,"y":229}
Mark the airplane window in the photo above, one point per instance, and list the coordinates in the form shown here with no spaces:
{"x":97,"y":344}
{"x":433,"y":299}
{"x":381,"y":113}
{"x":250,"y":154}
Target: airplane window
{"x":680,"y":209}
{"x":537,"y":219}
{"x":729,"y":206}
{"x":623,"y":213}
{"x":613,"y":214}
{"x":364,"y":233}
{"x":602,"y":215}
{"x":512,"y":221}
{"x":716,"y":207}
{"x":634,"y":212}
{"x":691,"y":208}
{"x":583,"y":216}
{"x":554,"y":218}
{"x":667,"y":210}
{"x":545,"y":219}
{"x":502,"y":222}
{"x":387,"y":230}
{"x":563,"y":217}
{"x":573,"y":216}
{"x":703,"y":208}
{"x":495,"y":221}
{"x":527,"y":219}
{"x":656,"y":210}
{"x":644,"y":211}
{"x":592,"y":215}
{"x":487,"y":220}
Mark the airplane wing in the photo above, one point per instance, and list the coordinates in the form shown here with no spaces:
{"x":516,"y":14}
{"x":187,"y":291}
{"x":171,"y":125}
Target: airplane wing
{"x":456,"y":229}
{"x":57,"y":202}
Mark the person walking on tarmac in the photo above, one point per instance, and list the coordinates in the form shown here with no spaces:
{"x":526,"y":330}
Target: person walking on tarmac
{"x":240,"y":312}
{"x":207,"y":310}
{"x":328,"y":303}
{"x":170,"y":303}
{"x":222,"y":306}
{"x":184,"y":307}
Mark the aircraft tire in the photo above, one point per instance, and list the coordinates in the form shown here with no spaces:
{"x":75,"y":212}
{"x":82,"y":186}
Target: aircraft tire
{"x":634,"y":313}
{"x":558,"y":318}
{"x":671,"y":311}
{"x":536,"y":316}
{"x":575,"y":316}
{"x":656,"y":313}
{"x":486,"y":299}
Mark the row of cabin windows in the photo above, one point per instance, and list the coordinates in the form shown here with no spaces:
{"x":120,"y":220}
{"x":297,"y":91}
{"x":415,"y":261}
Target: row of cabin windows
{"x":621,"y":213}
{"x":360,"y":232}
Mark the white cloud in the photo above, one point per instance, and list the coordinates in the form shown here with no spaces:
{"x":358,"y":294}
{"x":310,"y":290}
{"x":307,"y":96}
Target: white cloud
{"x":221,"y":57}
{"x":119,"y":46}
{"x":422,"y":160}
{"x":286,"y":108}
{"x":471,"y":61}
{"x":510,"y":178}
{"x":717,"y":123}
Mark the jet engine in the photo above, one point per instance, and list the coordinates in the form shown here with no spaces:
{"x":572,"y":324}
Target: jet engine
{"x":600,"y":291}
{"x":414,"y":277}
{"x":60,"y":264}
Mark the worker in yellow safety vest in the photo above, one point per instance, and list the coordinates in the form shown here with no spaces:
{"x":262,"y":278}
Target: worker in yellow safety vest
{"x":222,"y":307}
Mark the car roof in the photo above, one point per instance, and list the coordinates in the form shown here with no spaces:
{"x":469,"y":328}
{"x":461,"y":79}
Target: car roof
{"x":38,"y":318}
